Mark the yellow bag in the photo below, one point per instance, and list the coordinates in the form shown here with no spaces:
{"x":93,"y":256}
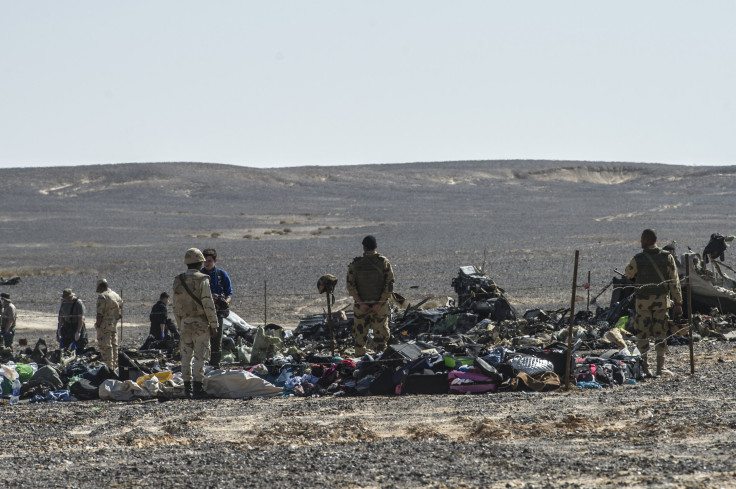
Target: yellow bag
{"x":161,"y":376}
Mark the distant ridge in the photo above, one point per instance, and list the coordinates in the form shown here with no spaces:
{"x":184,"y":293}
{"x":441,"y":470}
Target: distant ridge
{"x":207,"y":177}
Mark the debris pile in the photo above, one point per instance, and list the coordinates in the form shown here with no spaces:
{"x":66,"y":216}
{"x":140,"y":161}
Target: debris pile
{"x":477,"y":343}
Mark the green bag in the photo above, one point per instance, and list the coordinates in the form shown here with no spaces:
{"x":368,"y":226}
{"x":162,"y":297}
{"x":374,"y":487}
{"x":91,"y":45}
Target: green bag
{"x":25,"y":372}
{"x":622,"y":322}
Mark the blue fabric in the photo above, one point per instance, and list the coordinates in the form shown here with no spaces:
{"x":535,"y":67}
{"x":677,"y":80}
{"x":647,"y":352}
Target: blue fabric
{"x":225,"y":288}
{"x":53,"y":396}
{"x":589,"y":385}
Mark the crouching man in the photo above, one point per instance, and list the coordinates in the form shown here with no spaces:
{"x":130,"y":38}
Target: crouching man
{"x":196,"y":318}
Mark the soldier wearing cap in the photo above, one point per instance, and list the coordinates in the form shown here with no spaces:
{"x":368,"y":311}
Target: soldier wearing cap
{"x":196,"y":318}
{"x":71,"y":332}
{"x":657,"y":284}
{"x":370,"y":282}
{"x":109,"y":306}
{"x":7,"y":319}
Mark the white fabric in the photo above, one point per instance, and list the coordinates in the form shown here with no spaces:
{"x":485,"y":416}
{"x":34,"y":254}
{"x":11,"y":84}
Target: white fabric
{"x":115,"y":390}
{"x":237,"y":384}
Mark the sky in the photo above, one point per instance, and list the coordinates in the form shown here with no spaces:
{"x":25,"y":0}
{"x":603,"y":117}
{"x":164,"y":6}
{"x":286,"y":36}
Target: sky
{"x":293,"y":83}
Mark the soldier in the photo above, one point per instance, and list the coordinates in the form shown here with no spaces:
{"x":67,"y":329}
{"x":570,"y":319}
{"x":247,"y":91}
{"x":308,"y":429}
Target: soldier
{"x":7,"y":319}
{"x":370,"y":282}
{"x":109,"y":305}
{"x":71,"y":332}
{"x":655,"y":274}
{"x":222,"y":291}
{"x":196,"y":318}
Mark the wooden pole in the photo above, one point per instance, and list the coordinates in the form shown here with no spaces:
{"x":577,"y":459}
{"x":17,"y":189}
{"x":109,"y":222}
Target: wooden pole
{"x":587,"y":304}
{"x":330,"y":325}
{"x":690,"y":314}
{"x":265,"y":303}
{"x":572,"y":322}
{"x":121,"y":320}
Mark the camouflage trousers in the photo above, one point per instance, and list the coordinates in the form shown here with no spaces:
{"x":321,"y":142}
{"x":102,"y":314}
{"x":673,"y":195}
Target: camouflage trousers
{"x":107,"y":342}
{"x":651,"y":321}
{"x":363,"y":322}
{"x":195,"y":349}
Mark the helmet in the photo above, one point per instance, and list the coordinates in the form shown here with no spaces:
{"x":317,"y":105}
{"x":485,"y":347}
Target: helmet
{"x":193,"y":255}
{"x":326,"y":283}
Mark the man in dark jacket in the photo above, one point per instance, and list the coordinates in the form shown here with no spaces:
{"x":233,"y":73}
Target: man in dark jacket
{"x":161,"y":326}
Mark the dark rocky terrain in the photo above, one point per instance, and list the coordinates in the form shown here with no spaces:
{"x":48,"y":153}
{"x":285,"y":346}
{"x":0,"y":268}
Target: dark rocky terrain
{"x":65,"y":227}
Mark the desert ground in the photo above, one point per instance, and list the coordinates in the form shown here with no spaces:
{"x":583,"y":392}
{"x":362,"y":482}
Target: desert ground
{"x":277,"y":231}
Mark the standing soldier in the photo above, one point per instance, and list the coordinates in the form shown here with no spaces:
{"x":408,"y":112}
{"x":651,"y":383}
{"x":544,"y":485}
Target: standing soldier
{"x":222,"y":291}
{"x":71,"y":332}
{"x":655,"y":274}
{"x":196,"y":318}
{"x":370,"y":282}
{"x":109,"y":305}
{"x":7,"y":320}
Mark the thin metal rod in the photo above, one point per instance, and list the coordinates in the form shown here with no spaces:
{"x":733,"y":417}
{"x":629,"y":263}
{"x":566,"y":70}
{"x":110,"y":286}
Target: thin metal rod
{"x":265,"y":303}
{"x":587,"y":304}
{"x":572,"y":322}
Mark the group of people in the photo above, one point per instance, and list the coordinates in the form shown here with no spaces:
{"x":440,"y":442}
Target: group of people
{"x":370,"y":282}
{"x":195,"y":294}
{"x":203,"y":292}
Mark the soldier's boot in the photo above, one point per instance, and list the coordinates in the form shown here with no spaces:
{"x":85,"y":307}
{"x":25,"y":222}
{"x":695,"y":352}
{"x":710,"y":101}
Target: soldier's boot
{"x":188,"y":389}
{"x":645,"y":367}
{"x":661,"y":370}
{"x":199,"y":392}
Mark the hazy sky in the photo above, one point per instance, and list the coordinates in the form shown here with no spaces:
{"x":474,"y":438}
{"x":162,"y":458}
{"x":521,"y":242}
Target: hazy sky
{"x":288,"y":83}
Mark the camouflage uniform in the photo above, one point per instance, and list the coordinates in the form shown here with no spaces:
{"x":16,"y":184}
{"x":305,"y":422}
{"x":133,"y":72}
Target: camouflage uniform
{"x":7,"y":322}
{"x":371,"y":278}
{"x":194,"y":322}
{"x":653,"y":297}
{"x":109,"y":305}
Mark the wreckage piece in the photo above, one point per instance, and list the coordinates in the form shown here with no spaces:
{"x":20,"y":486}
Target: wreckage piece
{"x":479,"y":293}
{"x":710,"y":286}
{"x":10,"y":281}
{"x":716,"y":248}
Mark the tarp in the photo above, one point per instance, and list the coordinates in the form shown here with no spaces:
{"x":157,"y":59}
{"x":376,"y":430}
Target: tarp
{"x":237,"y":384}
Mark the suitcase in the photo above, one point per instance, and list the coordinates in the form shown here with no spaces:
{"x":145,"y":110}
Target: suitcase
{"x":402,"y":351}
{"x":427,"y":382}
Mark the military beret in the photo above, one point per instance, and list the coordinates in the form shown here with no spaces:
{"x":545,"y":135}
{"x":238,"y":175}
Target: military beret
{"x":370,"y":242}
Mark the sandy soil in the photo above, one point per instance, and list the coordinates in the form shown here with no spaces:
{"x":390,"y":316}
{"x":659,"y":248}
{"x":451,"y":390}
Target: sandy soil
{"x":659,"y":433}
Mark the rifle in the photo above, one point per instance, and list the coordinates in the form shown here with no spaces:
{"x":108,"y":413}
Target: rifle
{"x":615,"y":270}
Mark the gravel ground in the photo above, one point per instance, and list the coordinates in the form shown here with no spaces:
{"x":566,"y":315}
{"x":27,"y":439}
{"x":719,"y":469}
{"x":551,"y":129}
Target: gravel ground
{"x":663,"y":432}
{"x":65,"y":227}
